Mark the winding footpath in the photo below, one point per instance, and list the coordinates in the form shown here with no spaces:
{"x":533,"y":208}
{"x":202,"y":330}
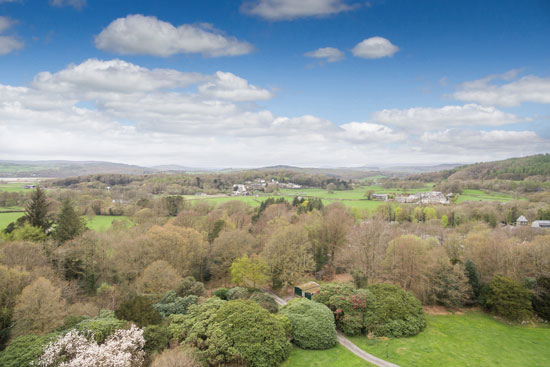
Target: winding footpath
{"x":348,"y":344}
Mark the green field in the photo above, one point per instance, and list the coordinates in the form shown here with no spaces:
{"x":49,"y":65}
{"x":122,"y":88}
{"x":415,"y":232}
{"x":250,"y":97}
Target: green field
{"x":14,"y":187}
{"x":104,"y":222}
{"x":480,"y":195}
{"x":334,"y":357}
{"x":7,"y":218}
{"x":472,"y":339}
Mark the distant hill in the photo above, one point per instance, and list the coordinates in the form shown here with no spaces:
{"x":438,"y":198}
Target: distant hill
{"x":510,"y":169}
{"x":58,"y":169}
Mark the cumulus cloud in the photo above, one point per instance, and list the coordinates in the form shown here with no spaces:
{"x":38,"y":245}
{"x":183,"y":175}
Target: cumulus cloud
{"x":77,"y":4}
{"x":82,"y":113}
{"x":369,"y":132}
{"x":486,"y":91}
{"x":8,"y":43}
{"x":93,"y":76}
{"x":424,"y":118}
{"x":147,"y":35}
{"x":330,"y":54}
{"x":374,"y":48}
{"x":472,"y":141}
{"x":290,"y":9}
{"x":231,"y":87}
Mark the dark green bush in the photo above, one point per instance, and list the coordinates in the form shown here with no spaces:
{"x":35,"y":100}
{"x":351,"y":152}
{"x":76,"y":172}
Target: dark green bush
{"x":140,"y":310}
{"x":258,"y":338}
{"x":190,"y":287}
{"x":221,"y":293}
{"x":509,"y":299}
{"x":25,"y":349}
{"x":312,"y":324}
{"x":171,"y":304}
{"x":237,"y":293}
{"x":236,"y":332}
{"x":348,"y":305}
{"x":393,"y":312}
{"x":541,"y":298}
{"x":265,"y":301}
{"x":157,"y":338}
{"x":101,"y":326}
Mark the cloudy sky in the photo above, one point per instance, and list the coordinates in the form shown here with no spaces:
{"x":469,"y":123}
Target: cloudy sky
{"x":231,"y":83}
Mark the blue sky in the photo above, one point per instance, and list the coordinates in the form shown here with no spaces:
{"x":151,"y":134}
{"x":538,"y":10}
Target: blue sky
{"x":235,"y":83}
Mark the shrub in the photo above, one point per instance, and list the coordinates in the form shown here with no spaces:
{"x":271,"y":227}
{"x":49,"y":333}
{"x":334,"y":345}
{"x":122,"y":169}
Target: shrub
{"x":171,"y":304}
{"x":233,"y":332}
{"x":177,"y":357}
{"x":139,"y":310}
{"x":190,"y":287}
{"x":157,"y":338}
{"x":312,"y":324}
{"x":393,"y":312}
{"x":509,"y":299}
{"x":255,"y":336}
{"x":221,"y":293}
{"x":348,"y":305}
{"x":101,"y":326}
{"x":265,"y":301}
{"x":541,"y":298}
{"x":237,"y":293}
{"x":25,"y":349}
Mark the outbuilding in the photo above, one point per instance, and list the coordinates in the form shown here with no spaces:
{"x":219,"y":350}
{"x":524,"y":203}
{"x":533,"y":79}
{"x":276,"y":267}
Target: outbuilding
{"x":522,"y":221}
{"x":307,"y":290}
{"x":541,"y":224}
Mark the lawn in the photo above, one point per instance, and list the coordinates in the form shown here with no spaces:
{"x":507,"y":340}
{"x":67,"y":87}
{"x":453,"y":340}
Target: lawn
{"x":469,"y":340}
{"x":103,"y":222}
{"x":334,"y":357}
{"x":7,"y":218}
{"x":480,"y":195}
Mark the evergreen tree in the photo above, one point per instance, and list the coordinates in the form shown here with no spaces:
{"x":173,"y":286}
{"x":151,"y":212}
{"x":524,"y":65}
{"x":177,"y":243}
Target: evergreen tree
{"x":473,"y":277}
{"x":69,"y":223}
{"x":36,"y":211}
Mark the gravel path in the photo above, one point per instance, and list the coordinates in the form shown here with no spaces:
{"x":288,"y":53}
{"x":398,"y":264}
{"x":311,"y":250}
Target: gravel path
{"x":348,"y":344}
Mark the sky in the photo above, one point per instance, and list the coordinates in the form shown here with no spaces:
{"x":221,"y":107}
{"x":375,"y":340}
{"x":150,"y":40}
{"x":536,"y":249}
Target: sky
{"x":312,"y":83}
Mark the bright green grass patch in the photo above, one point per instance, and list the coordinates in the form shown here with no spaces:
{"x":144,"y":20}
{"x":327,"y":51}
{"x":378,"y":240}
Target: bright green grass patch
{"x":480,"y":195}
{"x":472,"y":339}
{"x":14,"y":187}
{"x":334,"y":357}
{"x":7,"y":218}
{"x":104,"y":222}
{"x":11,"y":208}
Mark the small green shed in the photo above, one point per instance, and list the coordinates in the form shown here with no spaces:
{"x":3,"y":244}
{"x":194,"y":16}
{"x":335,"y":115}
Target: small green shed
{"x":307,"y":290}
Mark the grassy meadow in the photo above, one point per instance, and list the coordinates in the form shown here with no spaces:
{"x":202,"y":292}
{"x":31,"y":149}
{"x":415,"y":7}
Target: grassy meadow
{"x":480,"y":195}
{"x":14,"y":187}
{"x":7,"y":218}
{"x":103,"y":222}
{"x":334,"y":357}
{"x":468,"y":340}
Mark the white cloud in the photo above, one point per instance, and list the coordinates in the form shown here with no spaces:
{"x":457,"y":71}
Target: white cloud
{"x":231,"y":87}
{"x":291,"y":9}
{"x":530,"y":88}
{"x":81,"y":113}
{"x":8,"y":43}
{"x":147,"y":35}
{"x":423,"y":118}
{"x":77,"y":4}
{"x":365,"y":132}
{"x":374,"y":48}
{"x":93,"y":76}
{"x":472,"y":141}
{"x":330,"y":54}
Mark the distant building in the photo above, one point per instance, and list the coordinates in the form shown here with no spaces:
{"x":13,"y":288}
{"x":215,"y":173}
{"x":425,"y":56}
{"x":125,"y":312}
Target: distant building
{"x":541,"y":224}
{"x":307,"y":290}
{"x":522,"y":221}
{"x":380,"y":197}
{"x":431,"y":197}
{"x":29,"y":186}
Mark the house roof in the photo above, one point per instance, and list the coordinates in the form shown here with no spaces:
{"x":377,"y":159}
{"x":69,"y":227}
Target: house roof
{"x":521,"y":219}
{"x":308,"y":286}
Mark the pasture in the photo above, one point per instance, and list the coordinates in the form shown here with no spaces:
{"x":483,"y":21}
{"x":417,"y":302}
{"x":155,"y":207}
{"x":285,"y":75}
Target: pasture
{"x":103,"y":222}
{"x":334,"y":357}
{"x":471,"y":339}
{"x":480,"y":195}
{"x":7,"y":218}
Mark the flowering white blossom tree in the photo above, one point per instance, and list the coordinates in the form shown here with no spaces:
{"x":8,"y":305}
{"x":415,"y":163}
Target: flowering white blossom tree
{"x":122,"y":349}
